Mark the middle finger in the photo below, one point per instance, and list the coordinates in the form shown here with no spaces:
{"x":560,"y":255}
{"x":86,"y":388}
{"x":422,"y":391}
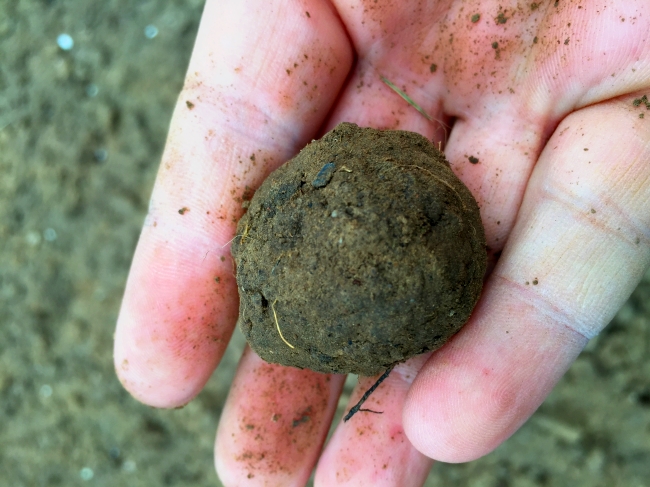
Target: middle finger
{"x":371,"y":448}
{"x":274,"y":423}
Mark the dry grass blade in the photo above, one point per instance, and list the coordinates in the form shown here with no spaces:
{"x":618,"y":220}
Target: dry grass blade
{"x":410,"y":101}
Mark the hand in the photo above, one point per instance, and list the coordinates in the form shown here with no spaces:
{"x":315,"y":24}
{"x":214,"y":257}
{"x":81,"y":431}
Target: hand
{"x":543,"y":96}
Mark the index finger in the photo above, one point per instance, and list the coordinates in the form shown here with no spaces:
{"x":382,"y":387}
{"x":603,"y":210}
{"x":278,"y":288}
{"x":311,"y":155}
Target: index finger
{"x":259,"y":85}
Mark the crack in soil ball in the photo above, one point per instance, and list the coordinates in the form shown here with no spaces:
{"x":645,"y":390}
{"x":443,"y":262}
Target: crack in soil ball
{"x":362,"y":251}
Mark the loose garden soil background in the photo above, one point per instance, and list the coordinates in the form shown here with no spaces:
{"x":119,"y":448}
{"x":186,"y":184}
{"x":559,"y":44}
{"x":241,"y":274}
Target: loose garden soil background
{"x":69,"y":221}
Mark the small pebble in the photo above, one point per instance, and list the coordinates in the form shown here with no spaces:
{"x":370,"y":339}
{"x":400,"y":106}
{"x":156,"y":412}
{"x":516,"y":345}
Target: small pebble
{"x":150,"y":31}
{"x":50,"y":234}
{"x":33,"y":238}
{"x":86,"y":473}
{"x":101,"y":155}
{"x":65,"y":42}
{"x":324,"y":176}
{"x":45,"y":391}
{"x":91,"y":90}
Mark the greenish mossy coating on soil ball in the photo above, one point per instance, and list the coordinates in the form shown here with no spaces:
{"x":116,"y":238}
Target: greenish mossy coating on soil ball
{"x":359,"y":253}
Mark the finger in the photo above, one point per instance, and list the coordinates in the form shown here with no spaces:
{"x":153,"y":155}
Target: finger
{"x":247,"y":105}
{"x":371,"y":448}
{"x":578,"y":248}
{"x":274,"y":423}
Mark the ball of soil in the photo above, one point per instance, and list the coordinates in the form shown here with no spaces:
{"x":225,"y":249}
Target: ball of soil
{"x":362,"y":251}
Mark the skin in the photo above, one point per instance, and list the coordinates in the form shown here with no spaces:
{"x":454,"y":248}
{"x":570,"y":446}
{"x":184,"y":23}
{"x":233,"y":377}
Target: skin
{"x":542,"y":97}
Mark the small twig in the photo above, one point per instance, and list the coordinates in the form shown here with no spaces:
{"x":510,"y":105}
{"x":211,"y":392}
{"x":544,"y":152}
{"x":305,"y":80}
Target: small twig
{"x":277,"y":325}
{"x":357,"y":407}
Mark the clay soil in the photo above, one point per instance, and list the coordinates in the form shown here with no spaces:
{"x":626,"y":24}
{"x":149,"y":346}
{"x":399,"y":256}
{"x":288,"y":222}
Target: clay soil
{"x":371,"y":246}
{"x":81,"y":134}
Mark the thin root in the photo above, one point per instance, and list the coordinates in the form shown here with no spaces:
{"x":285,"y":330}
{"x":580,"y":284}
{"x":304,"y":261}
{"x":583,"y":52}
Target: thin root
{"x":277,"y":325}
{"x":243,"y":236}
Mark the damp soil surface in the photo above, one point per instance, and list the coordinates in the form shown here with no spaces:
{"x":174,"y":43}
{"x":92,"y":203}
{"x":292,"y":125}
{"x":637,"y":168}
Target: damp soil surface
{"x":361,"y":252}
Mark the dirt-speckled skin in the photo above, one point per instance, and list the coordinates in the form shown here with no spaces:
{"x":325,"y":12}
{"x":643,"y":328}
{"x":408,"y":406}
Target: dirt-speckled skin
{"x":362,"y":251}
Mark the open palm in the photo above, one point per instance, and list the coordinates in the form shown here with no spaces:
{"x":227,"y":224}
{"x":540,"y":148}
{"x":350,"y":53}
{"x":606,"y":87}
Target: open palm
{"x":545,"y":109}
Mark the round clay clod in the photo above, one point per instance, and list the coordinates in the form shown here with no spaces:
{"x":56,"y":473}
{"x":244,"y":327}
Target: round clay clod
{"x":360,"y":252}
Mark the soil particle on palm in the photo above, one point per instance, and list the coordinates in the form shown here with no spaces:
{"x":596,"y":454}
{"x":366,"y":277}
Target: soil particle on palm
{"x":361,"y":252}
